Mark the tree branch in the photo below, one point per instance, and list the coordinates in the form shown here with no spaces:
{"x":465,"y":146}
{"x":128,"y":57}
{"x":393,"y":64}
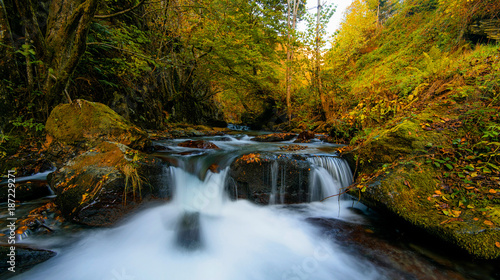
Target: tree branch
{"x":120,"y":12}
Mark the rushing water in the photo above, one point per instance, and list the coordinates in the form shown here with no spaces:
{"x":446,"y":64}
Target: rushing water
{"x":202,"y":234}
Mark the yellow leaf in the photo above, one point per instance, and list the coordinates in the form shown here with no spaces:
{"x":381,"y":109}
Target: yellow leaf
{"x":489,"y":223}
{"x":456,"y":213}
{"x":473,"y":174}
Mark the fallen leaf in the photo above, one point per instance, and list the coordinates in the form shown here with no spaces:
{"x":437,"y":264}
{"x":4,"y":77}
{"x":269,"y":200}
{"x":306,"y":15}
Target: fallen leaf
{"x":476,"y":219}
{"x":489,"y":223}
{"x":438,"y":192}
{"x":492,"y":191}
{"x":497,"y":244}
{"x":456,"y":213}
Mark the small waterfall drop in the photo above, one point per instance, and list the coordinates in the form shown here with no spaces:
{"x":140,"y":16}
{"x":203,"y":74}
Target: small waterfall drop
{"x":274,"y":182}
{"x":195,"y":195}
{"x":329,"y":176}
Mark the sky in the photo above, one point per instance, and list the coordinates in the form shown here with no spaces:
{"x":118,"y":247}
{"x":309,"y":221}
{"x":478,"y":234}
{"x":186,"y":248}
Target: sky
{"x":337,"y":17}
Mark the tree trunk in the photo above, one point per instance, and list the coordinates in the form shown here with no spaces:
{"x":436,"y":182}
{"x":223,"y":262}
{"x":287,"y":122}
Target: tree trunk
{"x":62,"y":45}
{"x":292,"y":9}
{"x":8,"y":63}
{"x":65,"y":42}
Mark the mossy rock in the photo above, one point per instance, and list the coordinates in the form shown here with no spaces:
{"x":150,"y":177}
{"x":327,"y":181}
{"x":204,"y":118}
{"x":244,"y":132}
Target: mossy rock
{"x":100,"y":186}
{"x":387,"y":146}
{"x":275,"y":137}
{"x":91,"y":121}
{"x":409,"y":191}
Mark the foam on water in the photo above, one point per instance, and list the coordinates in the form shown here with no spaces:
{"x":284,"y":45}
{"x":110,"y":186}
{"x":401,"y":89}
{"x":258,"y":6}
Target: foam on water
{"x":240,"y":241}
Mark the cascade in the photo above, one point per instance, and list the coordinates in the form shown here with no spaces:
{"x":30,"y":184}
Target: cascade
{"x":201,"y":234}
{"x":329,"y":176}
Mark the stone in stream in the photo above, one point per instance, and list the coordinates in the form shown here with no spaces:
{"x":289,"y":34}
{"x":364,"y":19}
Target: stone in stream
{"x":189,"y":231}
{"x":199,"y":144}
{"x":275,"y":137}
{"x":251,"y":177}
{"x":24,"y":259}
{"x":305,"y":136}
{"x":25,"y":191}
{"x":100,"y":186}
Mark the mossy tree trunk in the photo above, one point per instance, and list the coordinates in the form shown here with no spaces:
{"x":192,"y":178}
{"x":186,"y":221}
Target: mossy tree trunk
{"x":59,"y":41}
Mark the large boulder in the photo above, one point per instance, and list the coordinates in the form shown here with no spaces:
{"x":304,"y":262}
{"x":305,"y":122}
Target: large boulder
{"x":414,"y":194}
{"x":85,"y":121}
{"x":102,"y":185}
{"x":400,"y":173}
{"x":254,"y":176}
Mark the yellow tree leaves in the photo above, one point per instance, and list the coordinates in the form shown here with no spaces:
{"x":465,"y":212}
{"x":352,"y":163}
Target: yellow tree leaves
{"x":355,"y":30}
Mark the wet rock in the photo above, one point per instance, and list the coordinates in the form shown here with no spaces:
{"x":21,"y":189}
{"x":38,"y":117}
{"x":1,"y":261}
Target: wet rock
{"x":251,"y":177}
{"x":189,"y":231}
{"x":305,"y":136}
{"x":85,"y":121}
{"x":160,"y":148}
{"x":398,"y":262}
{"x":26,"y":190}
{"x":198,"y":144}
{"x":275,"y":137}
{"x":102,"y":185}
{"x":25,"y":258}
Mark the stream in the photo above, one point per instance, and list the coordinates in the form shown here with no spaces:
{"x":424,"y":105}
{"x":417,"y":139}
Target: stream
{"x":203,"y":232}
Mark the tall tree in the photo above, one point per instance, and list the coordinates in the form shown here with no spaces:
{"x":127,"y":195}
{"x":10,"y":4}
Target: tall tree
{"x":291,"y":23}
{"x":59,"y":46}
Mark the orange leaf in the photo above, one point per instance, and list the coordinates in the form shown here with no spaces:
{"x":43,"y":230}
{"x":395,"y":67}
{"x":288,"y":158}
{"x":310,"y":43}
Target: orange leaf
{"x":476,"y":219}
{"x":497,"y":244}
{"x":438,"y":192}
{"x":489,"y":223}
{"x":492,"y":191}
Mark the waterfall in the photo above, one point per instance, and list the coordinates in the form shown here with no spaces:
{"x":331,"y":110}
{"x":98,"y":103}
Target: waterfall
{"x":194,"y":195}
{"x":201,"y":234}
{"x":329,"y":176}
{"x":274,"y":182}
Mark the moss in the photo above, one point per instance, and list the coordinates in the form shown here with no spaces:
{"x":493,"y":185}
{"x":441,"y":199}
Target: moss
{"x":408,"y":191}
{"x":91,"y":121}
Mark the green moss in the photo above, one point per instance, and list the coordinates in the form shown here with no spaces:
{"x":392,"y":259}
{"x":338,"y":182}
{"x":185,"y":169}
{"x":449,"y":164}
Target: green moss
{"x":408,"y":192}
{"x":90,"y":121}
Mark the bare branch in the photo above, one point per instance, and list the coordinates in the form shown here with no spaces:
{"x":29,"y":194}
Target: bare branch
{"x":120,"y":12}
